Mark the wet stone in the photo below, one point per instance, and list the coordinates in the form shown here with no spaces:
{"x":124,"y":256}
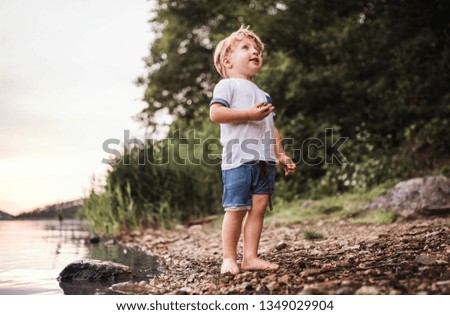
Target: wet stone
{"x":95,"y":271}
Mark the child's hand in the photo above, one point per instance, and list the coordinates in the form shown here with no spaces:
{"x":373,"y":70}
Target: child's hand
{"x":287,"y":164}
{"x":260,"y":110}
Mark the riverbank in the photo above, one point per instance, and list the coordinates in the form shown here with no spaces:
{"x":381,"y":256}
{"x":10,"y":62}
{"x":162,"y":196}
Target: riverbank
{"x":409,"y":257}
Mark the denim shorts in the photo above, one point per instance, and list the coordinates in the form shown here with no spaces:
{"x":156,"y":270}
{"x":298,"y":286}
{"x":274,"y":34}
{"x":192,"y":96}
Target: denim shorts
{"x":240,"y":183}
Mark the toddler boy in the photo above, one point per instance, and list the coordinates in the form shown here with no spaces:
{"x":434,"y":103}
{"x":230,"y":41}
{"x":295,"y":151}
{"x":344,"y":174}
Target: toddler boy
{"x":251,"y":148}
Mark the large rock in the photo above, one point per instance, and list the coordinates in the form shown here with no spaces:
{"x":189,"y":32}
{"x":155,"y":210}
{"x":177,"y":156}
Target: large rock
{"x":417,"y":197}
{"x":95,"y":271}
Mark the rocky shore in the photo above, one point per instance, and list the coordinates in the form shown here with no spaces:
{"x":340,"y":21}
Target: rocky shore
{"x":408,"y":257}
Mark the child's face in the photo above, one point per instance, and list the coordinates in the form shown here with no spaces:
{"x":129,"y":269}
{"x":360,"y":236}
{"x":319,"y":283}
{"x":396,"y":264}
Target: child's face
{"x":245,"y":60}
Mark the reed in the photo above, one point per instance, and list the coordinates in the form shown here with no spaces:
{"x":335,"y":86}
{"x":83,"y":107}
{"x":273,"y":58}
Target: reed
{"x":156,"y":195}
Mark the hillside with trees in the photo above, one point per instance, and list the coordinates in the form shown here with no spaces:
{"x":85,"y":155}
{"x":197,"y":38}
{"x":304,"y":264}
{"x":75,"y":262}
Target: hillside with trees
{"x":60,"y":211}
{"x":5,"y":216}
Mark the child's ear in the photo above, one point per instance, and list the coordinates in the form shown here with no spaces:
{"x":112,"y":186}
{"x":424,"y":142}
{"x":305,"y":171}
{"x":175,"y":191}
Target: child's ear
{"x":227,"y":63}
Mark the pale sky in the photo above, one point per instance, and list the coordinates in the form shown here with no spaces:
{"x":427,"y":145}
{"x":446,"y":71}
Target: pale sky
{"x":66,"y":85}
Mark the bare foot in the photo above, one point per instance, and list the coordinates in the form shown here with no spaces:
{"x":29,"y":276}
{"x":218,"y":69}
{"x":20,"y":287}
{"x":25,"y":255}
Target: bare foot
{"x":258,"y":264}
{"x":229,"y":266}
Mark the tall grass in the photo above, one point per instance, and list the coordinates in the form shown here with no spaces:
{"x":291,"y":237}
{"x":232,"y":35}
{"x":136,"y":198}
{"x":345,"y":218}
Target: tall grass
{"x":144,"y":193}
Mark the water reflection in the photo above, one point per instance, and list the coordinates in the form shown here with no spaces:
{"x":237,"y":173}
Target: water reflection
{"x":144,"y":266}
{"x":33,"y":253}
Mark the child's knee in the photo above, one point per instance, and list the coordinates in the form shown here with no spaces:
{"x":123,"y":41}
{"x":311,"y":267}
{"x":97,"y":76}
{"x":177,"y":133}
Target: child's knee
{"x":260,"y":202}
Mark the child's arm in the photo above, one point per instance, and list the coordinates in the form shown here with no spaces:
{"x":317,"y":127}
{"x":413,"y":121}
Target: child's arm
{"x":224,"y":115}
{"x":285,"y":161}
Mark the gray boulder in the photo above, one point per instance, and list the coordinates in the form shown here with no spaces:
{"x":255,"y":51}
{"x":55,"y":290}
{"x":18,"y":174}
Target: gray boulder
{"x":95,"y":271}
{"x":429,"y":195}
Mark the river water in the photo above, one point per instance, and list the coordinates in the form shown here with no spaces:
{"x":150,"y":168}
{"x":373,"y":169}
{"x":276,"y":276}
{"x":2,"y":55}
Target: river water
{"x":33,"y":253}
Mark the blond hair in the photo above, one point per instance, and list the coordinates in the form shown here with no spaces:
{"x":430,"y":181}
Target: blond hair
{"x":226,"y":46}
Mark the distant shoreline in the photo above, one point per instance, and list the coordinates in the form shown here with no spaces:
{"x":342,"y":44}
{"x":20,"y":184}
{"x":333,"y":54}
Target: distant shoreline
{"x":57,"y":211}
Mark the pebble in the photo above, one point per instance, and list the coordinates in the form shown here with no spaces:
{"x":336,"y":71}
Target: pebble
{"x":247,"y":286}
{"x":346,"y":282}
{"x":326,"y":267}
{"x":425,"y":259}
{"x":284,"y":279}
{"x":344,"y":291}
{"x":368,"y":290}
{"x":309,"y":290}
{"x":185,"y":290}
{"x":281,"y":246}
{"x":354,"y":247}
{"x":272,"y":286}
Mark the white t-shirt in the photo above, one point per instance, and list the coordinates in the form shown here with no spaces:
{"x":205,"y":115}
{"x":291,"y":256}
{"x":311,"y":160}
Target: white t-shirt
{"x":246,"y":141}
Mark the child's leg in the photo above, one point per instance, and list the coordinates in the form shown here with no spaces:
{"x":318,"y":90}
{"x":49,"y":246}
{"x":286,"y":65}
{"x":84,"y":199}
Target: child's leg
{"x":252,"y":234}
{"x":231,"y":231}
